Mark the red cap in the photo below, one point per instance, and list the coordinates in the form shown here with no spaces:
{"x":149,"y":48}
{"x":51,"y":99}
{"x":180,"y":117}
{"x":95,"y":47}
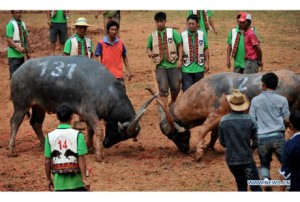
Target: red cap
{"x":244,"y":17}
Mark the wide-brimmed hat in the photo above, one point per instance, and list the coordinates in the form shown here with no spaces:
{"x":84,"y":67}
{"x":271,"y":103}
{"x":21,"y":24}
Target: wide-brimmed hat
{"x":238,"y":101}
{"x":244,"y":17}
{"x":81,"y":22}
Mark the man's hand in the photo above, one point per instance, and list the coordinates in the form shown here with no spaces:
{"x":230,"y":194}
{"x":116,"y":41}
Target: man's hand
{"x":50,"y":185}
{"x":130,"y":76}
{"x":228,"y":64}
{"x":179,"y":64}
{"x":49,"y":23}
{"x":87,"y":185}
{"x":206,"y":67}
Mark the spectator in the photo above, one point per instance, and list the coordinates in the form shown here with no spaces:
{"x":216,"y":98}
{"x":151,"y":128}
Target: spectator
{"x":271,"y":111}
{"x":108,"y":16}
{"x":291,"y":154}
{"x":195,"y":53}
{"x":238,"y":134}
{"x":236,"y":47}
{"x":165,"y":48}
{"x":253,"y":53}
{"x":57,"y":21}
{"x":64,"y":153}
{"x":79,"y":44}
{"x":110,"y":51}
{"x":17,"y":40}
{"x":205,"y":20}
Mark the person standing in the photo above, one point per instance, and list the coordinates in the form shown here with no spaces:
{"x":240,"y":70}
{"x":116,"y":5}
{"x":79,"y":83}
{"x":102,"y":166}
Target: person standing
{"x":109,"y":15}
{"x":253,"y":52}
{"x":238,"y":134}
{"x":195,"y":53}
{"x":79,"y":44}
{"x":111,"y":52}
{"x":65,"y":151}
{"x":18,"y":42}
{"x":236,"y":47}
{"x":164,"y":47}
{"x":271,"y":111}
{"x":290,"y":168}
{"x":205,"y":20}
{"x":57,"y":22}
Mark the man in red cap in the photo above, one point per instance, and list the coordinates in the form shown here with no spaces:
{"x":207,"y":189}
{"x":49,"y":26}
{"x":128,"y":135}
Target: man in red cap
{"x":253,"y":56}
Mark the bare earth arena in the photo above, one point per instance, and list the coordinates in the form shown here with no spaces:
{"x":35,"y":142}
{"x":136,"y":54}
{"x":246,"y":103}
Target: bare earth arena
{"x":153,"y":162}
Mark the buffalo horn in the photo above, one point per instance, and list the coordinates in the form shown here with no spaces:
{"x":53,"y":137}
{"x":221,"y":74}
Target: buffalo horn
{"x":164,"y":114}
{"x":132,"y":128}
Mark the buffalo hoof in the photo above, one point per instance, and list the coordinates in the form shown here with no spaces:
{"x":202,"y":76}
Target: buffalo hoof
{"x":99,"y":159}
{"x":198,"y":155}
{"x":12,"y":153}
{"x":210,"y":148}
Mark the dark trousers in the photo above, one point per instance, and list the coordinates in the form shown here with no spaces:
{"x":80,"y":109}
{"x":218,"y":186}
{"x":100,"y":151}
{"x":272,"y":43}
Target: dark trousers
{"x":14,"y":64}
{"x":245,"y":172}
{"x":168,"y":79}
{"x":188,"y":79}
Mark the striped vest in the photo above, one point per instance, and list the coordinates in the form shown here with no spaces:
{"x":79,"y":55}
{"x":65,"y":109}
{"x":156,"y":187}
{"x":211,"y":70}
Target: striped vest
{"x":192,"y":52}
{"x":168,"y":47}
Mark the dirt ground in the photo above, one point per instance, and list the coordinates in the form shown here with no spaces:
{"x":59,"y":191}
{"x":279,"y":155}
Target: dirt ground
{"x":153,"y":163}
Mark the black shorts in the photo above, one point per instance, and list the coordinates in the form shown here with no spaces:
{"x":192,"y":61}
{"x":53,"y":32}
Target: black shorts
{"x":60,"y":29}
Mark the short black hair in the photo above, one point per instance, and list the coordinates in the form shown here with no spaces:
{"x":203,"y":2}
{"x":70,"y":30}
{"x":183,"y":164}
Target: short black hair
{"x":295,"y":119}
{"x":64,"y":113}
{"x":112,"y":23}
{"x":270,"y":80}
{"x":193,"y":17}
{"x":160,"y":16}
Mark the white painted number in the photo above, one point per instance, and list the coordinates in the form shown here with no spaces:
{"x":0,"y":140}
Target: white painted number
{"x":71,"y":70}
{"x":242,"y":86}
{"x":59,"y":65}
{"x":58,"y":68}
{"x":44,"y":67}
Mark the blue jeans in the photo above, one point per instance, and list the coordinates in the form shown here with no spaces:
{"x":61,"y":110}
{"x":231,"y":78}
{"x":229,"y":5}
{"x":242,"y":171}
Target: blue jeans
{"x":267,"y":145}
{"x":245,"y":172}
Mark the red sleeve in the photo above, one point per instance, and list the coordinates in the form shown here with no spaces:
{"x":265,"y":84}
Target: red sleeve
{"x":253,"y":38}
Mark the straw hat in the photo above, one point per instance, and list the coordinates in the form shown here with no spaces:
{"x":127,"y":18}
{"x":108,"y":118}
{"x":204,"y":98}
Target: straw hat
{"x":81,"y":22}
{"x":238,"y":101}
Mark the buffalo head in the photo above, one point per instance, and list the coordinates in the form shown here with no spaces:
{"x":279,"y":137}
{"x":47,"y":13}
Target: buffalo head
{"x":117,"y":131}
{"x":178,"y":134}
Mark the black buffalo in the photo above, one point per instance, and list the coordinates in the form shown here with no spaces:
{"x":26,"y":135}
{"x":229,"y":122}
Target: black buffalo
{"x":83,"y":84}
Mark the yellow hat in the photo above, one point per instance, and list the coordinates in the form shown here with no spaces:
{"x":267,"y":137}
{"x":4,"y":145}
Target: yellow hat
{"x":238,"y":101}
{"x":81,"y":22}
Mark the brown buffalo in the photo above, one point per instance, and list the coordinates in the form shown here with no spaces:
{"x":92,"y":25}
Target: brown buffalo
{"x":204,"y":104}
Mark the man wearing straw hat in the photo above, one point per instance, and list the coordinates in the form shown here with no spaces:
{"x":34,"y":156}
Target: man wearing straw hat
{"x":238,"y":134}
{"x":79,"y":44}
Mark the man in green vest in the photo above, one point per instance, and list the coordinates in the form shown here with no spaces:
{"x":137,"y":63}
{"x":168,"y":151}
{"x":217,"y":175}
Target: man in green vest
{"x":57,"y":21}
{"x":236,"y":48}
{"x":17,"y":40}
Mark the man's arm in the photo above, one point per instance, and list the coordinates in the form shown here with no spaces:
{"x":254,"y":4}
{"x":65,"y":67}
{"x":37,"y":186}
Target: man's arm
{"x":206,"y":57}
{"x":213,"y":25}
{"x":180,"y":51}
{"x":82,"y":167}
{"x":228,"y":56}
{"x":48,"y":164}
{"x":49,"y":18}
{"x":128,"y":73}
